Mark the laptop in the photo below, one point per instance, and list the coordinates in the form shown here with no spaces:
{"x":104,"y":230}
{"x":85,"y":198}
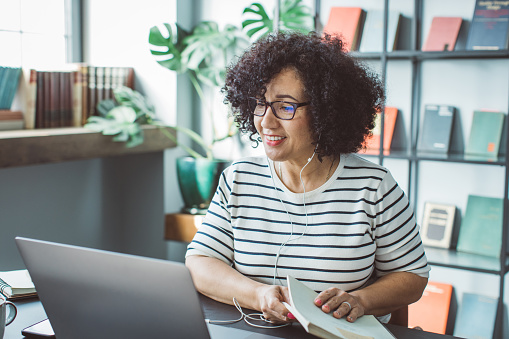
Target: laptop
{"x":90,"y":293}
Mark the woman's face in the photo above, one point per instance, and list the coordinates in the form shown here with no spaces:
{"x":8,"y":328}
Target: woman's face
{"x":286,"y":140}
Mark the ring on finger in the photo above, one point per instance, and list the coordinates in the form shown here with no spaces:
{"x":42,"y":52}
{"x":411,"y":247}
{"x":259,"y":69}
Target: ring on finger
{"x":349,"y":306}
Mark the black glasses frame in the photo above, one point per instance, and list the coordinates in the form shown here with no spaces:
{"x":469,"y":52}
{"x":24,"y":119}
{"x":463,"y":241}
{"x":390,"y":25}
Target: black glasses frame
{"x":295,"y":105}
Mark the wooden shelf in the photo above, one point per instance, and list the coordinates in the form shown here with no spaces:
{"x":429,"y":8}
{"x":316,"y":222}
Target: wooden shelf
{"x":42,"y":146}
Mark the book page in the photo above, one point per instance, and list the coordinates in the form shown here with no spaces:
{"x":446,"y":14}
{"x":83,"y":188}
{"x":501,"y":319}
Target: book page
{"x":302,"y":298}
{"x":17,"y":279}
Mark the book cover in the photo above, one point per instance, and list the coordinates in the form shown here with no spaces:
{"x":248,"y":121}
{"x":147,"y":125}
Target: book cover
{"x":485,"y":133}
{"x":442,"y":34}
{"x":373,"y":142}
{"x":371,"y":40}
{"x":16,"y":284}
{"x":437,"y":224}
{"x":346,"y":22}
{"x":489,"y":26}
{"x":436,"y":130}
{"x":481,"y":227}
{"x":432,"y":311}
{"x":476,"y":316}
{"x":324,"y":325}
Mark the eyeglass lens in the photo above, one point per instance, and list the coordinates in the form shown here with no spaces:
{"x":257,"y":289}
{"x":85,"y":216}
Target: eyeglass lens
{"x":281,"y":110}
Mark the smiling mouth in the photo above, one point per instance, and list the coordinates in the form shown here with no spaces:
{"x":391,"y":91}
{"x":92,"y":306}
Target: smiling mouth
{"x":271,"y":138}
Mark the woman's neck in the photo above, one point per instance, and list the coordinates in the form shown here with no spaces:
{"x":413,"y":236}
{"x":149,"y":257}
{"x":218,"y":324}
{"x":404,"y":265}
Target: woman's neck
{"x":314,"y":175}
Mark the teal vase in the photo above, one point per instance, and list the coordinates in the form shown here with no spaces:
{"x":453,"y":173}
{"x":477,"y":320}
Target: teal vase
{"x":198,"y":179}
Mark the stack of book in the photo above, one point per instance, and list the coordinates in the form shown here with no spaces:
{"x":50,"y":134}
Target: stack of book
{"x":69,"y":97}
{"x":16,"y":284}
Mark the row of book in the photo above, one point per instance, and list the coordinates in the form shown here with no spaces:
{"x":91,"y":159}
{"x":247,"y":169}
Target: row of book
{"x":65,"y":97}
{"x":361,"y":29}
{"x":69,"y":97}
{"x":9,"y":79}
{"x":437,"y":311}
{"x":478,"y":231}
{"x":437,"y":129}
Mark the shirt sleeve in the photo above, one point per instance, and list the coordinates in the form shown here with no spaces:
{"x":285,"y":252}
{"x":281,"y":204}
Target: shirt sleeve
{"x":399,"y":246}
{"x":215,"y":237}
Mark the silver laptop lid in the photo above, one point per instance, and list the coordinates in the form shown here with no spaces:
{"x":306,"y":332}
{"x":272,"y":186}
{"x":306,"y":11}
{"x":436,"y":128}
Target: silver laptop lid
{"x":90,"y":293}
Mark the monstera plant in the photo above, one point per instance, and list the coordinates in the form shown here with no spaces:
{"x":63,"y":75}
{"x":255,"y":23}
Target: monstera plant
{"x":202,"y":54}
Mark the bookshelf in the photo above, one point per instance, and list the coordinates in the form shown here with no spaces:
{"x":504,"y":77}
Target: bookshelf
{"x":43,"y":146}
{"x":416,"y":64}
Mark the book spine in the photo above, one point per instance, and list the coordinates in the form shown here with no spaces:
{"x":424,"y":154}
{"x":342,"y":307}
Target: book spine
{"x":91,"y":91}
{"x":31,"y":98}
{"x":76,"y":98}
{"x":84,"y":94}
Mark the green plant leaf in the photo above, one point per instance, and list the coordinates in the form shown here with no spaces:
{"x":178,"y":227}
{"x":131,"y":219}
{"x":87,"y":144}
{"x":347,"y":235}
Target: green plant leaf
{"x":261,"y":22}
{"x":293,"y":16}
{"x":208,"y":50}
{"x":167,"y":47}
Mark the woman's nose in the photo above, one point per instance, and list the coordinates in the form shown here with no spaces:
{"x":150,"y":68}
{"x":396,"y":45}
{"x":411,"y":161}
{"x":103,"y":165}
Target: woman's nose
{"x":269,"y":119}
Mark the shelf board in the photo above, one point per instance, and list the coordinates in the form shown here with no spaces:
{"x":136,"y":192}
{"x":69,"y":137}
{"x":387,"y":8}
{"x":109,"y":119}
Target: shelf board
{"x":451,"y":157}
{"x":464,"y":261}
{"x":420,"y":55}
{"x":42,"y":146}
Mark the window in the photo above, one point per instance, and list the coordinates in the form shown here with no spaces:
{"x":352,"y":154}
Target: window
{"x":35,"y":33}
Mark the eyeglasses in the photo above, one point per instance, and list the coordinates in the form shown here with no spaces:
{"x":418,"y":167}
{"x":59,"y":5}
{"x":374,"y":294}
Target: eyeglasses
{"x":283,"y":110}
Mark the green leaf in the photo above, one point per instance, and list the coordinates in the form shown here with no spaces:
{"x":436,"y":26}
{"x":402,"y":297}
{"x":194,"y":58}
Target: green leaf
{"x":293,"y":16}
{"x":168,"y":47}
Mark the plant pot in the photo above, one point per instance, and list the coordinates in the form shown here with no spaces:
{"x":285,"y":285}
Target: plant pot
{"x":198,"y":179}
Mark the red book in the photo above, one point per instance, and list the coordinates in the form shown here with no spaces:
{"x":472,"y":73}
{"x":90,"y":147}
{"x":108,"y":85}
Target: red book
{"x":431,"y":312}
{"x":442,"y":34}
{"x":346,"y":22}
{"x":373,"y":142}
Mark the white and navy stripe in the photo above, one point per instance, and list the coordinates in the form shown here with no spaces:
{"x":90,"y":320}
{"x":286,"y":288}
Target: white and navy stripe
{"x":359,"y":226}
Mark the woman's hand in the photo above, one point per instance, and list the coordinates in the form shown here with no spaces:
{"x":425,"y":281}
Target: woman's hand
{"x":340,"y":303}
{"x":270,"y":298}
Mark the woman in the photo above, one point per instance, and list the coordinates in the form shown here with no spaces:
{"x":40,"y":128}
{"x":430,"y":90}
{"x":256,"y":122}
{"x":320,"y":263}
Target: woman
{"x":311,"y":208}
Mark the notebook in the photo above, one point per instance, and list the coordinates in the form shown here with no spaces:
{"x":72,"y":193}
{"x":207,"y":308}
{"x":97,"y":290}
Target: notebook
{"x":89,"y":293}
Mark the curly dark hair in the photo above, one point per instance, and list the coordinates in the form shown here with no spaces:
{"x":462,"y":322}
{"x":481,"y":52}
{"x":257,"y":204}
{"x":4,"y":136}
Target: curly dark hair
{"x":344,"y":95}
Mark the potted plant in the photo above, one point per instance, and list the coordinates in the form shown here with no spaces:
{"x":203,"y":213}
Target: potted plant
{"x":203,"y":55}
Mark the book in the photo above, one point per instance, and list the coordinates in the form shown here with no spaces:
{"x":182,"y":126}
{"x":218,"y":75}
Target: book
{"x":442,"y":34}
{"x":435,"y":134}
{"x":11,"y":120}
{"x":16,"y":284}
{"x":371,"y":40}
{"x":489,"y":26}
{"x":432,"y":312}
{"x":438,"y":224}
{"x":476,"y":316}
{"x":324,"y":325}
{"x":346,"y":22}
{"x":29,"y":82}
{"x":9,"y":80}
{"x":481,"y":227}
{"x":485,"y":133}
{"x":373,"y":142}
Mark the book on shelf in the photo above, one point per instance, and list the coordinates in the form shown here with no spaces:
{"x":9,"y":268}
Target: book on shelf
{"x":438,"y":224}
{"x":16,"y":284}
{"x":69,"y":96}
{"x":485,"y":133}
{"x":481,"y":227}
{"x":346,"y":22}
{"x":372,"y":143}
{"x":442,"y":34}
{"x":11,"y":120}
{"x":476,"y":316}
{"x":489,"y":27}
{"x":432,"y":312}
{"x":436,"y":130}
{"x":324,"y":325}
{"x":9,"y":81}
{"x":371,"y":40}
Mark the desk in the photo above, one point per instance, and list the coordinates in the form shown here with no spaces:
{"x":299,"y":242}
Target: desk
{"x":31,"y":311}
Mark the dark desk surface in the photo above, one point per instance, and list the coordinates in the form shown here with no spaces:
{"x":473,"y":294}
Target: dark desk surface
{"x":31,"y":311}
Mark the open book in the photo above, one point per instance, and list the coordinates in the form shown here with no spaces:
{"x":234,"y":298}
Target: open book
{"x":324,"y":325}
{"x":16,"y":284}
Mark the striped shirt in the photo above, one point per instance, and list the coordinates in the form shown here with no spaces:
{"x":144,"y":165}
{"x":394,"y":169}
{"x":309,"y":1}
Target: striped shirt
{"x":354,"y":228}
